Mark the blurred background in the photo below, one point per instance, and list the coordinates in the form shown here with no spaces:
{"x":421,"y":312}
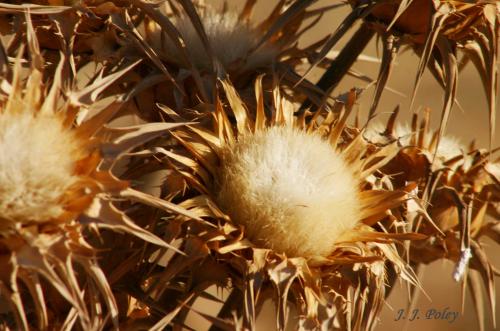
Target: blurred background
{"x":466,"y":125}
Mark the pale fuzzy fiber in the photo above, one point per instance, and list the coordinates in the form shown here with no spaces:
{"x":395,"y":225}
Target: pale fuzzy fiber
{"x":230,"y":38}
{"x":37,"y":160}
{"x":449,"y":147}
{"x":291,"y":190}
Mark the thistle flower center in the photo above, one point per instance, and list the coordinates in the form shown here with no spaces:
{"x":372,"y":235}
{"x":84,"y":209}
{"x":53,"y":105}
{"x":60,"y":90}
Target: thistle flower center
{"x":230,"y":39}
{"x":291,"y":190}
{"x":37,"y":157}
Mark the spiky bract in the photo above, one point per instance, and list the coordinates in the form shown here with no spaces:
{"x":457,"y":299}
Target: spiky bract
{"x":439,"y":31}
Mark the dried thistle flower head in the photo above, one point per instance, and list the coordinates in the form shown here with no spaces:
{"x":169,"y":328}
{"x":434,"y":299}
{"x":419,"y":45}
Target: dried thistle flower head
{"x":286,"y":203}
{"x":55,"y":182}
{"x":289,"y":189}
{"x":231,"y":40}
{"x":37,"y":164}
{"x":43,"y":188}
{"x":282,"y":180}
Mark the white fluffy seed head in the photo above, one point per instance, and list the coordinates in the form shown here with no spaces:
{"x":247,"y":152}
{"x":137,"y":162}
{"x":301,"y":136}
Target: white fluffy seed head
{"x":231,"y":41}
{"x":291,"y":191}
{"x":37,"y":161}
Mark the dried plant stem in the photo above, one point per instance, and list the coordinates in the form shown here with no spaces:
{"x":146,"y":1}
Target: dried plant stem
{"x":392,"y":276}
{"x":233,"y":300}
{"x":343,"y":62}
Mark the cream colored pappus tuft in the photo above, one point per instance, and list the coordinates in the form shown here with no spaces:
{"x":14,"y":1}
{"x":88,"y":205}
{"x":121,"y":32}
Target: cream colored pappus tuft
{"x":37,"y":161}
{"x":449,"y":146}
{"x":291,"y":190}
{"x":231,"y":40}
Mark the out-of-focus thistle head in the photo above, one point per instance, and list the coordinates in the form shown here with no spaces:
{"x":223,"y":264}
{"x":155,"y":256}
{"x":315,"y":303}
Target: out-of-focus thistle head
{"x":287,"y":205}
{"x":205,"y":44}
{"x":56,"y":185}
{"x":232,"y":42}
{"x":460,"y":190}
{"x":184,"y":46}
{"x":449,"y":146}
{"x":446,"y":35}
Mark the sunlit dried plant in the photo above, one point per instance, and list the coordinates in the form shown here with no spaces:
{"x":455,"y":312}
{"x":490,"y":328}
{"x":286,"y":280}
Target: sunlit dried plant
{"x":253,"y":193}
{"x":296,"y":196}
{"x":56,"y":186}
{"x":439,"y":32}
